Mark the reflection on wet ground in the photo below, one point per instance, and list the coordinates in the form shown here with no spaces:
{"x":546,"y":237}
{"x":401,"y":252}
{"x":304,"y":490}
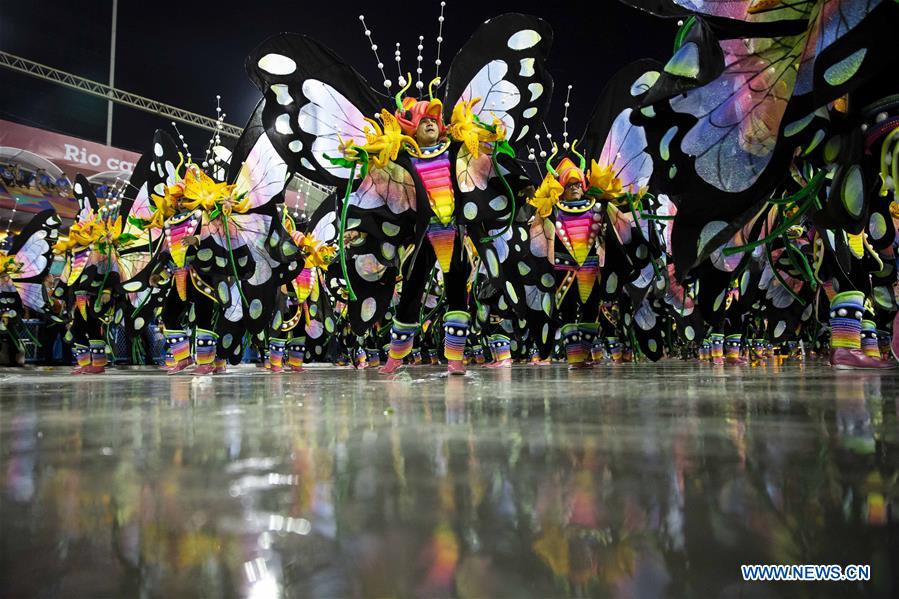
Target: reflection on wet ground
{"x":639,"y":481}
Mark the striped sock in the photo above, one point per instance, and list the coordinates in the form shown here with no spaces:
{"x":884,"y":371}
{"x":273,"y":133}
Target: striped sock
{"x":401,"y":337}
{"x":732,"y":346}
{"x":717,"y":345}
{"x":98,"y":353}
{"x":276,"y":352}
{"x":374,"y":357}
{"x":574,"y":344}
{"x":705,"y":350}
{"x":615,"y":350}
{"x":869,"y":339}
{"x":205,"y":347}
{"x":589,"y":331}
{"x":500,"y":347}
{"x":846,"y":311}
{"x":178,"y":344}
{"x":82,"y":355}
{"x":455,"y":327}
{"x":416,"y":355}
{"x":478,"y":353}
{"x":296,"y":352}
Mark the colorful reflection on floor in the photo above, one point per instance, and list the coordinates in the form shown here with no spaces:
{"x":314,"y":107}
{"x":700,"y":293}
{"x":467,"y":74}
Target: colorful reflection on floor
{"x":637,"y":481}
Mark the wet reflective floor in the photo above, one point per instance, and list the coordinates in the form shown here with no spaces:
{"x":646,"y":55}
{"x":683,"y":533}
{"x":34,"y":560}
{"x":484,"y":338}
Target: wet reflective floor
{"x":636,"y":481}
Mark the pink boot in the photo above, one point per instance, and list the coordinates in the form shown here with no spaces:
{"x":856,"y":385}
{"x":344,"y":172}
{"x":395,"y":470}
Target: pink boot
{"x":392,"y":365}
{"x":455,"y":367}
{"x":843,"y":358}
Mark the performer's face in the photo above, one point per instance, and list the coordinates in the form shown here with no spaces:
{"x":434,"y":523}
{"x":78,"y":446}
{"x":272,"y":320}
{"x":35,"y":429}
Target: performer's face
{"x":573,"y":191}
{"x":427,"y":133}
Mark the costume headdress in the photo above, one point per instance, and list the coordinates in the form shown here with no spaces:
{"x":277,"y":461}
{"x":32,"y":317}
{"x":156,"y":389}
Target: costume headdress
{"x":566,"y":171}
{"x":411,"y":111}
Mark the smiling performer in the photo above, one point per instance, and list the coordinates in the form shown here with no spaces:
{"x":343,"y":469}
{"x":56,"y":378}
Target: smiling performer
{"x":424,"y":176}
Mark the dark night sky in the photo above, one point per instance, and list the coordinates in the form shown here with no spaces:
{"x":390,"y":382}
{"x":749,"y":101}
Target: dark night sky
{"x":184,"y":53}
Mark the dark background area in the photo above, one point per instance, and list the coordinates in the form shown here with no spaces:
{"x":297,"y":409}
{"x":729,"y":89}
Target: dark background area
{"x":184,"y":53}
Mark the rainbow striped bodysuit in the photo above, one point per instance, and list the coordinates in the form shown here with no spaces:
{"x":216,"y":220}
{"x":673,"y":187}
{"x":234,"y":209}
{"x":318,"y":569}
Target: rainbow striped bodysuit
{"x":577,"y":226}
{"x":436,"y":177}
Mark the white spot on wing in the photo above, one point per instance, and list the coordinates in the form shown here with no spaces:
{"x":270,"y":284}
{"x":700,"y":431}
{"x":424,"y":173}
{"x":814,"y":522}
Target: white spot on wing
{"x":527,"y":67}
{"x":524,"y":39}
{"x":281,"y":94}
{"x":282,"y":124}
{"x":277,"y":64}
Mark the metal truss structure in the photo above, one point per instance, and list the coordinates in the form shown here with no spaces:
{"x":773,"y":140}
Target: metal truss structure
{"x":101,"y":90}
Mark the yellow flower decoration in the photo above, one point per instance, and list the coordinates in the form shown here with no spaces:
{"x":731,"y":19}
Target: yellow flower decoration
{"x":603,"y":177}
{"x":795,"y":232}
{"x":546,"y":196}
{"x":894,"y":209}
{"x":317,"y":253}
{"x":112,"y":229}
{"x":383,"y":144}
{"x":201,"y":191}
{"x":166,"y":205}
{"x":463,"y":127}
{"x":8,"y":265}
{"x":82,"y":234}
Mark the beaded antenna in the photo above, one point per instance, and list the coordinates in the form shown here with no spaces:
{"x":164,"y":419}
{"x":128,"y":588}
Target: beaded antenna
{"x":183,"y":142}
{"x":540,"y":146}
{"x":419,"y":84}
{"x":374,"y":49}
{"x":210,"y":158}
{"x":565,"y":143}
{"x":440,"y":20}
{"x":532,"y":157}
{"x":397,"y":56}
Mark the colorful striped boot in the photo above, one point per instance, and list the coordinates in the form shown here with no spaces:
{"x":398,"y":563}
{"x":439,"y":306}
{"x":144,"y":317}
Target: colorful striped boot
{"x":415,"y":356}
{"x":204,"y":349}
{"x":82,"y":355}
{"x":361,"y":358}
{"x":732,"y":346}
{"x":870,"y":347}
{"x":501,"y":348}
{"x":276,"y":354}
{"x":478,"y":352}
{"x":574,"y":346}
{"x":99,"y":358}
{"x":169,"y":362}
{"x":374,"y":358}
{"x":296,"y":353}
{"x":846,"y":312}
{"x":178,"y":344}
{"x":615,"y":350}
{"x":705,"y":351}
{"x":717,"y":349}
{"x":402,"y":336}
{"x":455,"y":329}
{"x":589,"y":331}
